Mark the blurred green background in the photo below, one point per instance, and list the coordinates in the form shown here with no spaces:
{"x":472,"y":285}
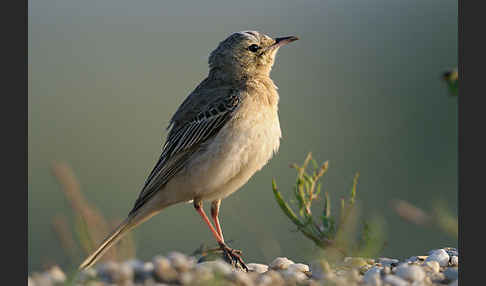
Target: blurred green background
{"x":361,"y":89}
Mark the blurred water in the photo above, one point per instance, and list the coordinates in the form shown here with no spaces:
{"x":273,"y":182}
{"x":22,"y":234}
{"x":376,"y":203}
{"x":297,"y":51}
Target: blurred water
{"x":361,"y":89}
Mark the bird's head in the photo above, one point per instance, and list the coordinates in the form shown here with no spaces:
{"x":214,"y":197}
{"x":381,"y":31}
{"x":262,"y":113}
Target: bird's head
{"x":247,"y":53}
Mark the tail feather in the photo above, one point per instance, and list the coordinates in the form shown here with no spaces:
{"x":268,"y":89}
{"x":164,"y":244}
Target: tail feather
{"x":114,"y":237}
{"x":128,"y":224}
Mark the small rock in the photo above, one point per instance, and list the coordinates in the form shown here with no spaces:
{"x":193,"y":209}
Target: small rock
{"x":126,"y":272}
{"x":218,"y":267}
{"x":388,"y":261}
{"x":410,"y":272}
{"x":440,"y":256}
{"x":257,"y":267}
{"x":353,"y":276}
{"x":394,"y":280}
{"x":274,"y":277}
{"x":280,"y":263}
{"x":293,"y":277}
{"x":372,"y":276}
{"x":298,"y":267}
{"x":454,"y":261}
{"x":320,"y":269}
{"x":412,"y":259}
{"x":186,"y":278}
{"x":109,"y":271}
{"x":451,"y":273}
{"x":163,"y":270}
{"x":451,"y":251}
{"x":41,"y":279}
{"x":241,"y":278}
{"x":57,"y":275}
{"x":180,"y":261}
{"x":201,"y":274}
{"x":139,"y":271}
{"x":432,"y":265}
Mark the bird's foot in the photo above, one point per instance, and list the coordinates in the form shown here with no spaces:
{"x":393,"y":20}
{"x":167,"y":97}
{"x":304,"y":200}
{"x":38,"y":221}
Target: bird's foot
{"x":233,"y":257}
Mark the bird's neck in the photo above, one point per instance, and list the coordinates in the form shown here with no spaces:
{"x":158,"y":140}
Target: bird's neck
{"x":235,"y":77}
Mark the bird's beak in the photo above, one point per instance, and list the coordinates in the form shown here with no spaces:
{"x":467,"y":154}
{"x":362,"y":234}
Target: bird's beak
{"x":280,"y":42}
{"x":284,"y":40}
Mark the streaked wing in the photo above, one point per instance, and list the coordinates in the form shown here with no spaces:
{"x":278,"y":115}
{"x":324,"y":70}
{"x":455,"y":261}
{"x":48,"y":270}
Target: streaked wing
{"x":183,"y":140}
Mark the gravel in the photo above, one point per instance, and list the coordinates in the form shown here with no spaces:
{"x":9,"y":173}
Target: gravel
{"x":440,"y":267}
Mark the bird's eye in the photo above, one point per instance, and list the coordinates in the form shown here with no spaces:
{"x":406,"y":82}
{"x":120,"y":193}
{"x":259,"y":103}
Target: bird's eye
{"x":253,"y":48}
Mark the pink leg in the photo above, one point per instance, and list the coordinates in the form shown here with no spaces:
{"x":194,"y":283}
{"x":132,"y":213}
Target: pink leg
{"x":214,"y":213}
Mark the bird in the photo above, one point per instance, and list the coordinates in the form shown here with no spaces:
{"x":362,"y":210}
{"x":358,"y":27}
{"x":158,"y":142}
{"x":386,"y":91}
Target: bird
{"x":224,"y":131}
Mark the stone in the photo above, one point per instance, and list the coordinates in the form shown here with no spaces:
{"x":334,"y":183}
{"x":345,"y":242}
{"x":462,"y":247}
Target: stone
{"x":440,"y":256}
{"x":56,"y":274}
{"x":163,"y":270}
{"x":451,"y":273}
{"x":293,"y":277}
{"x":180,"y":261}
{"x":109,"y":271}
{"x":241,"y":278}
{"x":126,"y":272}
{"x":432,"y":265}
{"x":410,"y":272}
{"x":454,"y":261}
{"x":394,"y":280}
{"x":273,"y":276}
{"x":280,"y":263}
{"x":373,"y":276}
{"x":320,"y":269}
{"x":257,"y":267}
{"x":298,"y":267}
{"x":388,"y":261}
{"x":218,"y":267}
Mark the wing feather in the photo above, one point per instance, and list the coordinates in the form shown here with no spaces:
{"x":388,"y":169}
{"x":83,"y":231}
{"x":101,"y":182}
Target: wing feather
{"x":184,"y":139}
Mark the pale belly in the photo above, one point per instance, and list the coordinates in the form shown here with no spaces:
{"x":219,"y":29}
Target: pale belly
{"x":241,"y":148}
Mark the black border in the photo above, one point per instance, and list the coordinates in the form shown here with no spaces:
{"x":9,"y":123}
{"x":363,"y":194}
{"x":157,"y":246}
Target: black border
{"x":14,"y":141}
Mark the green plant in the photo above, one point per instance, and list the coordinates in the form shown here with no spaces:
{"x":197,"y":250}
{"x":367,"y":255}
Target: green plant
{"x":328,"y":232}
{"x":451,"y":77}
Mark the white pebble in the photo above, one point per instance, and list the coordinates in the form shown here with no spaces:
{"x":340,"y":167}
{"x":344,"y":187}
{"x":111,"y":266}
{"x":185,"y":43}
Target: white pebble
{"x":179,"y":261}
{"x":372,"y":276}
{"x":241,"y":278}
{"x":163,"y":269}
{"x":320,"y":269}
{"x":410,"y":272}
{"x":298,"y":267}
{"x":217,"y":267}
{"x":455,"y":260}
{"x":280,"y":263}
{"x":439,"y":255}
{"x":257,"y":267}
{"x":293,"y":277}
{"x":57,"y":275}
{"x":394,"y":280}
{"x":433,"y":265}
{"x":388,"y":261}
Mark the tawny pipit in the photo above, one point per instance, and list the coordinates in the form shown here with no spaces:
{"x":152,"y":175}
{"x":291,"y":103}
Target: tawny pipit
{"x":223,"y":132}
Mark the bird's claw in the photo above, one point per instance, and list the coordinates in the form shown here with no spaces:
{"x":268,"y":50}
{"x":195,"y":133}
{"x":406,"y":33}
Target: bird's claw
{"x":233,"y":257}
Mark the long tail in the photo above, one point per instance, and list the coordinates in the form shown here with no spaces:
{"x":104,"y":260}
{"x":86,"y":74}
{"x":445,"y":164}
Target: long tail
{"x":128,"y":224}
